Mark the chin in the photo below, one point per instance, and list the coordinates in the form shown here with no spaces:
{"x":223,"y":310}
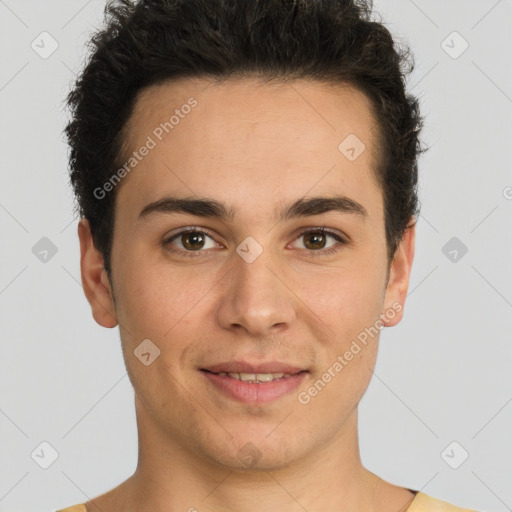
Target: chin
{"x":258,"y":453}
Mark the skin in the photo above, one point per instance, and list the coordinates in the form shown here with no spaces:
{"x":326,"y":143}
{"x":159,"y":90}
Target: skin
{"x":255,"y":147}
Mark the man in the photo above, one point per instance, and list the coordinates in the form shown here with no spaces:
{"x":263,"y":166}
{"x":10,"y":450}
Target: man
{"x":246,"y":176}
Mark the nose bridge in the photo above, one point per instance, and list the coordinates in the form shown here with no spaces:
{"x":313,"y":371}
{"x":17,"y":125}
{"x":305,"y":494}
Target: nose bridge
{"x":255,"y":298}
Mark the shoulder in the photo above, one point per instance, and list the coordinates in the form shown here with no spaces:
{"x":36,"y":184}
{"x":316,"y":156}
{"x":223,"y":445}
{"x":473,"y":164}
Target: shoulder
{"x":425,"y":503}
{"x":74,"y":508}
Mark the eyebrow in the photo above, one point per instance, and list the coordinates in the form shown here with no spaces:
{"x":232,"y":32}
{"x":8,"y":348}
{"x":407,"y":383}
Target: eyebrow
{"x":205,"y":207}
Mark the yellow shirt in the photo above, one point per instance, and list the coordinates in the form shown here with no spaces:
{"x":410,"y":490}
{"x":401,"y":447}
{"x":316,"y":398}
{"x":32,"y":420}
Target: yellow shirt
{"x":421,"y":503}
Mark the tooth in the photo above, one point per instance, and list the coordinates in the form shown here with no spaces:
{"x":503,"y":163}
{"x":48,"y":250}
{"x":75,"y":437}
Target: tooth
{"x":255,"y":377}
{"x":222,"y":374}
{"x":247,"y":376}
{"x":267,"y":377}
{"x":264,"y":377}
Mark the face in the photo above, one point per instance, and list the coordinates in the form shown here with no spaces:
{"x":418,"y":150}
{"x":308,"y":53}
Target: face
{"x":254,"y":290}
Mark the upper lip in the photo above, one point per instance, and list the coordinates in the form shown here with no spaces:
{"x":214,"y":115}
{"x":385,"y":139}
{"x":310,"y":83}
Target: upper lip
{"x":247,"y":367}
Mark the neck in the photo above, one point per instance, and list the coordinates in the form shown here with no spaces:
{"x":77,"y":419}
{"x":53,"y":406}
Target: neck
{"x":170,"y":477}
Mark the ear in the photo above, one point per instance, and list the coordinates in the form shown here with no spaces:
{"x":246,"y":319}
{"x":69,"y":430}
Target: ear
{"x":95,"y":280}
{"x":398,"y":282}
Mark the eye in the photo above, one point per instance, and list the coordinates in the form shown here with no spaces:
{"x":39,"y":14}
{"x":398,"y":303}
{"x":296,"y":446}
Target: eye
{"x":316,"y":240}
{"x":190,"y":242}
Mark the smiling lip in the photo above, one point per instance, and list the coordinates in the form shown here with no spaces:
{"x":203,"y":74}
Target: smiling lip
{"x":254,"y":392}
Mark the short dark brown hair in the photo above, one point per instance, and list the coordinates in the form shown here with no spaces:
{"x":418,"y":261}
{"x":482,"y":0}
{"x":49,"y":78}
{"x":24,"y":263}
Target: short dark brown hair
{"x":151,"y":41}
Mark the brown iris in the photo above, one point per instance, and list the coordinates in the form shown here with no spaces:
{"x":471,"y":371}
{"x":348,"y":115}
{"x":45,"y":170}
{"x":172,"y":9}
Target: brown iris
{"x":191,"y":239}
{"x":316,"y":238}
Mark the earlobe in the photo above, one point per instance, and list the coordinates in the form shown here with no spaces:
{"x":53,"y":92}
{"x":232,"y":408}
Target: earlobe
{"x":95,"y":279}
{"x":398,"y":283}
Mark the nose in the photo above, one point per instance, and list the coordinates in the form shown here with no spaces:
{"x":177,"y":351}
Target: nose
{"x":256,"y":298}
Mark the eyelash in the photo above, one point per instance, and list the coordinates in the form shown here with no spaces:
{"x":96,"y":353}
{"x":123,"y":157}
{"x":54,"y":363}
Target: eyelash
{"x":314,"y":253}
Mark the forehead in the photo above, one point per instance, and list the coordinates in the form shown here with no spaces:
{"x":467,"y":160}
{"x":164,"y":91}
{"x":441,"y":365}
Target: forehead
{"x":257,"y":138}
{"x":316,"y":108}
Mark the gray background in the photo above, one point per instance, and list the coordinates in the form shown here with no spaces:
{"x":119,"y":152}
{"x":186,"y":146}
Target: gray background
{"x":443,"y":374}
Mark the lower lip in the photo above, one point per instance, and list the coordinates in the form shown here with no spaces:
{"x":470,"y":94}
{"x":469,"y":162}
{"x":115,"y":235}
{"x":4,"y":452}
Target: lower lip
{"x":252,"y":392}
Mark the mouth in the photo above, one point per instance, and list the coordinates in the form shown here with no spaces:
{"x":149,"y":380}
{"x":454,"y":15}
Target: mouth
{"x":254,"y":383}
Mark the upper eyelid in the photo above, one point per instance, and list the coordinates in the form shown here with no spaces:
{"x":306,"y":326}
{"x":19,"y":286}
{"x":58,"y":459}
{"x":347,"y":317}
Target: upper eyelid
{"x":190,"y":229}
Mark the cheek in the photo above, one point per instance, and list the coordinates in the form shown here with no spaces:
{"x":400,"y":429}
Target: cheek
{"x":170,"y":307}
{"x":153,"y":299}
{"x":350,"y":306}
{"x":347,"y":298}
